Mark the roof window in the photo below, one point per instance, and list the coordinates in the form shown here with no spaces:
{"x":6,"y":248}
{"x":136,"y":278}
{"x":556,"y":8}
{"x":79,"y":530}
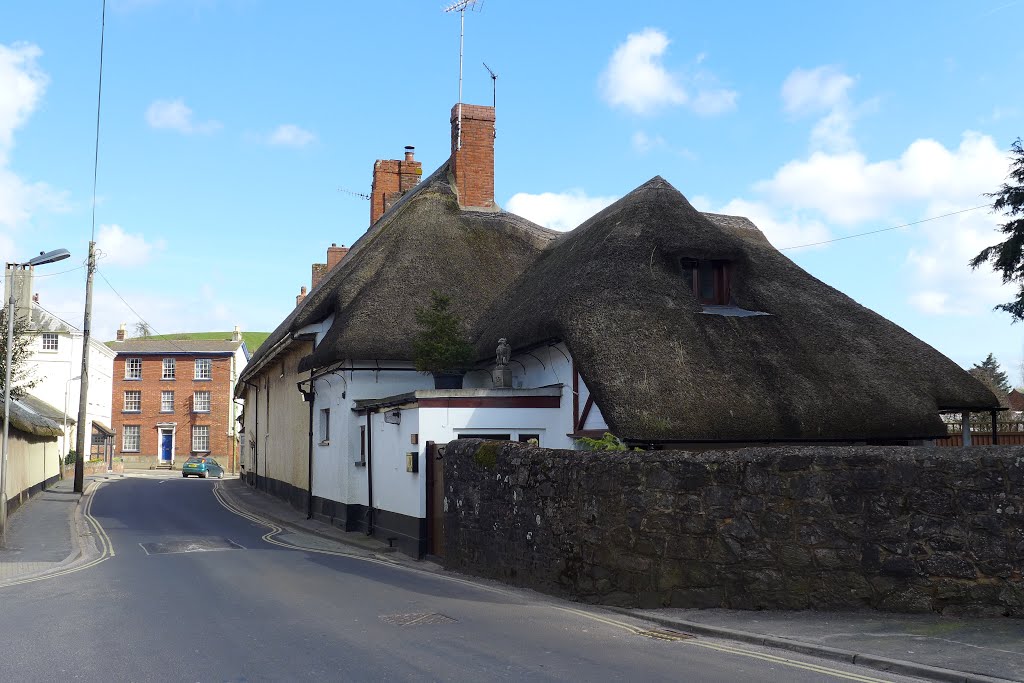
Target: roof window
{"x":709,"y":280}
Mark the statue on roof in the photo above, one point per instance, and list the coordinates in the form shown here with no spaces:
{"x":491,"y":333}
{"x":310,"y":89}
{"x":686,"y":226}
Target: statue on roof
{"x":504,"y":352}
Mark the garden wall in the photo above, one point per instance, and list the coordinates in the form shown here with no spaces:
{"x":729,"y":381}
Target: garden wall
{"x":910,"y":529}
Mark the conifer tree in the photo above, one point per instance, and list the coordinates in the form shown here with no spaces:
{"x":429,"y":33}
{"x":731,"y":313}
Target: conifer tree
{"x":1007,"y":257}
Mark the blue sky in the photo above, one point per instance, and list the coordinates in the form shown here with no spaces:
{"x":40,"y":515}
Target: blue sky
{"x":228,"y":128}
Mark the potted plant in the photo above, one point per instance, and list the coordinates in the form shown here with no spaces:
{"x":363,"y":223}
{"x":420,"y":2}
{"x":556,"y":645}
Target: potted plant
{"x":441,"y":347}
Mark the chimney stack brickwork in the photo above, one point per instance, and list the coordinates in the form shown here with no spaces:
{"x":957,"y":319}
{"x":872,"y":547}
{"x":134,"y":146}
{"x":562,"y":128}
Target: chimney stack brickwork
{"x":473,"y":163}
{"x":319,"y":270}
{"x":334,"y":255}
{"x":120,"y":332}
{"x":391,"y":179}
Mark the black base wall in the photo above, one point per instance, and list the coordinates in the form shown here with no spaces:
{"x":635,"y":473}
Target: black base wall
{"x":407,"y":534}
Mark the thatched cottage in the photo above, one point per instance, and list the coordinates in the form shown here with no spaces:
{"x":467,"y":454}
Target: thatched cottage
{"x":651,"y":320}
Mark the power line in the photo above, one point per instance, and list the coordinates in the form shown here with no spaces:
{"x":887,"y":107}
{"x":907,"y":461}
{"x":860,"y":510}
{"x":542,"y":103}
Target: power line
{"x":137,"y":315}
{"x":895,"y":227}
{"x":59,"y":272}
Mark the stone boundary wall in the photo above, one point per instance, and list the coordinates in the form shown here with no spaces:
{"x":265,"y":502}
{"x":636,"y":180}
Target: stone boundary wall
{"x":908,"y":529}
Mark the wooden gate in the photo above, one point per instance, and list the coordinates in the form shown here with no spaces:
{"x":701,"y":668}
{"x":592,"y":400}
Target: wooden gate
{"x":435,"y":500}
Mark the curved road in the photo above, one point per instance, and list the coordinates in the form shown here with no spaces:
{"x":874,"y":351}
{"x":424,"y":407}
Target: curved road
{"x":264,"y":608}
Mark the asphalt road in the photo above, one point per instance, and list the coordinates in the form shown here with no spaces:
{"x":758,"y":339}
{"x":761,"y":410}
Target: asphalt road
{"x":261,"y":611}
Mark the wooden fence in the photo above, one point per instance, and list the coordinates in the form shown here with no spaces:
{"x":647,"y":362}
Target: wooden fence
{"x":1008,"y":433}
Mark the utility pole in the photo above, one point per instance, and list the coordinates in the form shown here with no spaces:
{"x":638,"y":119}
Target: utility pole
{"x":83,"y":396}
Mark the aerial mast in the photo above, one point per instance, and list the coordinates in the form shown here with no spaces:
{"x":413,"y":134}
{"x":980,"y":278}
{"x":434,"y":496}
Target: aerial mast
{"x":460,"y":7}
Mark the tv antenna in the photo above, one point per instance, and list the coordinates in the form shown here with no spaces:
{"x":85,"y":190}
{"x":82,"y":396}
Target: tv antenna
{"x":494,"y":86}
{"x":354,"y":193}
{"x":460,"y":7}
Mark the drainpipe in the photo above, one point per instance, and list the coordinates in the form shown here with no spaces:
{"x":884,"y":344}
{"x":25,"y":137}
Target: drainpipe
{"x":369,"y":469}
{"x":256,"y":413}
{"x":309,"y":464}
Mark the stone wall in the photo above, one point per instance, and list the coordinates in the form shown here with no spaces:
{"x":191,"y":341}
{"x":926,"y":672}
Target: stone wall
{"x":895,"y":528}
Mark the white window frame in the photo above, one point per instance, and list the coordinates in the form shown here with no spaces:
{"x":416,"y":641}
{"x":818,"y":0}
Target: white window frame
{"x":166,"y":401}
{"x":325,"y":426}
{"x":169,"y":368}
{"x":197,"y":404}
{"x":207,"y":368}
{"x":50,"y":342}
{"x":135,"y":394}
{"x":201,"y":439}
{"x":128,"y":434}
{"x":133,"y":368}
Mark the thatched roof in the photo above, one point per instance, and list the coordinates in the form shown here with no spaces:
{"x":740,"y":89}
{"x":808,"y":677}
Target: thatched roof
{"x":34,"y":416}
{"x":425,"y":242}
{"x":819,"y":366}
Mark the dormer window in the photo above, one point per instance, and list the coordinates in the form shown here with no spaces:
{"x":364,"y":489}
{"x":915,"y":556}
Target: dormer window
{"x":709,"y":280}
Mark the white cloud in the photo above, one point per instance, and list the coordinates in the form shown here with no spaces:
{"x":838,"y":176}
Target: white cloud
{"x":22,"y":85}
{"x":792,"y":230}
{"x":290,"y":135}
{"x":644,"y":143}
{"x":637,"y":80}
{"x":823,"y":90}
{"x":847,"y":188}
{"x":559,"y":211}
{"x":812,"y":91}
{"x":635,"y":77}
{"x":712,"y":102}
{"x":125,"y":249}
{"x":176,"y":115}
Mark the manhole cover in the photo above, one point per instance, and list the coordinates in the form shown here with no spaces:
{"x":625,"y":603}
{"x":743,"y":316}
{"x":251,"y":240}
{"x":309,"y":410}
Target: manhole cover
{"x":421,"y":619}
{"x":664,"y":634}
{"x":201,"y":545}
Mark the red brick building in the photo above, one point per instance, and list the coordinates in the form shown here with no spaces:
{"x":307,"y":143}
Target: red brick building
{"x":173,"y":398}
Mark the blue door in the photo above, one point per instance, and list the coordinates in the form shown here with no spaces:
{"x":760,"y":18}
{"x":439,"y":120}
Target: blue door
{"x":166,"y":439}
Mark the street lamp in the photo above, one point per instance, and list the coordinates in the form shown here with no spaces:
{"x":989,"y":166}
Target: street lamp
{"x":44,"y":257}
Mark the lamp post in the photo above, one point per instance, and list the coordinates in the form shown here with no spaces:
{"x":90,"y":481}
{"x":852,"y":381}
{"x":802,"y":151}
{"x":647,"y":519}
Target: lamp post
{"x":44,"y":257}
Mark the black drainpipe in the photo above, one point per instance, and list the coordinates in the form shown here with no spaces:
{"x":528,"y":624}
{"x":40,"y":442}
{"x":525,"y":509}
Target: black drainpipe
{"x":256,"y":411}
{"x":309,"y":465}
{"x":369,"y":469}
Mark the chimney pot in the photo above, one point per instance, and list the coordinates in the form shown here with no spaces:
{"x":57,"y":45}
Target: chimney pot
{"x":409,"y":150}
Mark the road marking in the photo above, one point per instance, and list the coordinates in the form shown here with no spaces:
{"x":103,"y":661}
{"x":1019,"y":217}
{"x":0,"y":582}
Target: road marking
{"x":106,"y":546}
{"x":635,"y":630}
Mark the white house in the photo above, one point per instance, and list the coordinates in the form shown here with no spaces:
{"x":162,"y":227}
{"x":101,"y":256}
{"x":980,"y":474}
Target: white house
{"x":56,"y":359}
{"x":664,"y":325}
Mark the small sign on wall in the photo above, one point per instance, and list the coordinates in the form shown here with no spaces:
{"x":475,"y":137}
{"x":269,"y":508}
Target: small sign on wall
{"x":412,"y":462}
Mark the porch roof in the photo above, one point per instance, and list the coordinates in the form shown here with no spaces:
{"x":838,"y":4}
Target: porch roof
{"x":540,"y":397}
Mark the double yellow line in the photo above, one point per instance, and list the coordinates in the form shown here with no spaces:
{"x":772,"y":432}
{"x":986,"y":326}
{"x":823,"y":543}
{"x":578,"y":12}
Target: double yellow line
{"x":731,"y":649}
{"x":630,"y":628}
{"x":105,"y":544}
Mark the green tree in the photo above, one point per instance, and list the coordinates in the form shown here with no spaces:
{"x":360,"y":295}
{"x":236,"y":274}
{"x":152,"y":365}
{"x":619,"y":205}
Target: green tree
{"x":22,"y":374}
{"x":142,"y":329}
{"x":441,"y":345}
{"x":992,"y":376}
{"x":1007,"y":257}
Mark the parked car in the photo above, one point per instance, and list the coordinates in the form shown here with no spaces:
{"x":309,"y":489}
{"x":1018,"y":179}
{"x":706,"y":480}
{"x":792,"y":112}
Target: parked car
{"x":202,"y":467}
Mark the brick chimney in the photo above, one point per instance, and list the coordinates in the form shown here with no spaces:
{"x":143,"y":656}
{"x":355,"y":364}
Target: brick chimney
{"x":301,"y":296}
{"x":472,"y":163}
{"x":120,"y":333}
{"x":334,"y":255}
{"x":319,"y":270}
{"x":391,"y":179}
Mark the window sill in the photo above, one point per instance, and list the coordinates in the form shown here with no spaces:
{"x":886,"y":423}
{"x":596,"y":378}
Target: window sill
{"x":131,"y":412}
{"x":202,"y":379}
{"x":132,"y":379}
{"x":167,"y":379}
{"x":200,"y":412}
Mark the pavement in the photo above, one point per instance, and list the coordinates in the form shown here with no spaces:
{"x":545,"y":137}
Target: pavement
{"x":48,"y":534}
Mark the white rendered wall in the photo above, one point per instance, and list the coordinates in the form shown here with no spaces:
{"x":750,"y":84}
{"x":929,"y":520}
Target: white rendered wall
{"x":394,"y":489}
{"x":543,"y":367}
{"x":336,"y":474}
{"x":53,"y":369}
